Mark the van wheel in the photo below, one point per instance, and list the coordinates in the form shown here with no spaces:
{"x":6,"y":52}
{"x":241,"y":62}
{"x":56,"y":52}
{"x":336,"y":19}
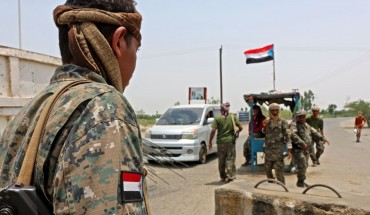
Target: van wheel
{"x":203,"y":154}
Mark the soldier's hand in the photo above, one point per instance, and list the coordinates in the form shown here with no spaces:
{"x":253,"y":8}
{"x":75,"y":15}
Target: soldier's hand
{"x":305,"y":147}
{"x":210,"y":145}
{"x":326,"y":142}
{"x":289,"y":154}
{"x":264,"y":123}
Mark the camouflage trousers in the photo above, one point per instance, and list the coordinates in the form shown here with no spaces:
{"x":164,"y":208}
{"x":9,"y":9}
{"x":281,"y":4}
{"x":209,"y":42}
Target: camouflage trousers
{"x":319,"y":150}
{"x":247,"y":149}
{"x":226,"y":160}
{"x":300,"y":161}
{"x":278,"y":166}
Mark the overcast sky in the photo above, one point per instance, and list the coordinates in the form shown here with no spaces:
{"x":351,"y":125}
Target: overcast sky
{"x":323,"y":46}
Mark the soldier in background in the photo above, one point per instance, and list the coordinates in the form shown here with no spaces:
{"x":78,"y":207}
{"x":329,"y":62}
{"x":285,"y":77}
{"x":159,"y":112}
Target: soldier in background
{"x":276,"y":140}
{"x":228,"y":128}
{"x":301,"y":135}
{"x":91,"y":148}
{"x":317,"y":123}
{"x":360,"y":121}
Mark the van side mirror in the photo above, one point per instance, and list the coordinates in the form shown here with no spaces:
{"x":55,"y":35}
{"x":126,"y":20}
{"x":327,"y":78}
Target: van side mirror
{"x":210,"y":120}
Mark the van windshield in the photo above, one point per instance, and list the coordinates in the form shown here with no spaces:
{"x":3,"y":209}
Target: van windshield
{"x":181,"y":116}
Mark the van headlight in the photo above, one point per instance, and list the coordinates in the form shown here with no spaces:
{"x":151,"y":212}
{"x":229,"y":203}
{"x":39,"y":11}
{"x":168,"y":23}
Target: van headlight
{"x":191,"y":134}
{"x":147,"y":134}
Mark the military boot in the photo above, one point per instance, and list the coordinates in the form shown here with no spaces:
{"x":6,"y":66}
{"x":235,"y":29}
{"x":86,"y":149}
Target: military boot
{"x":300,"y":183}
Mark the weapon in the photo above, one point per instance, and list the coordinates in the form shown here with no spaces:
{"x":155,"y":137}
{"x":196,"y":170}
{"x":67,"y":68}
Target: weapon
{"x":22,"y":200}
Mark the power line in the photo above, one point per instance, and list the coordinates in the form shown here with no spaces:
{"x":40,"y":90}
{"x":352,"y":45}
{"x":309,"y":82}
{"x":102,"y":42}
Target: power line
{"x":345,"y":68}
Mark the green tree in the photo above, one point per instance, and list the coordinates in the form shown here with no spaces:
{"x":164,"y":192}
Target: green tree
{"x":213,"y":101}
{"x":307,"y":100}
{"x":331,"y":108}
{"x":360,"y":105}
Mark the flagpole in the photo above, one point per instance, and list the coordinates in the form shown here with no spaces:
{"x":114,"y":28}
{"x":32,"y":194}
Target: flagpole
{"x":273,"y":63}
{"x":221,"y":74}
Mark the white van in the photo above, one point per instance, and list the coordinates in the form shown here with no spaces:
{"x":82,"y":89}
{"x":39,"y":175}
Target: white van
{"x":183,"y":133}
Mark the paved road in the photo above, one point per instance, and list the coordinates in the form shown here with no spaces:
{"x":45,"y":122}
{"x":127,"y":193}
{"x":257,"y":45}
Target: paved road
{"x":345,"y":166}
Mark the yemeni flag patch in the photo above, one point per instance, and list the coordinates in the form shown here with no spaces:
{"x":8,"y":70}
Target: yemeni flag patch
{"x":132,"y":186}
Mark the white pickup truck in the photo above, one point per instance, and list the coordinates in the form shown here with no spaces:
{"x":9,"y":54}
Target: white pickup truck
{"x":182,"y":133}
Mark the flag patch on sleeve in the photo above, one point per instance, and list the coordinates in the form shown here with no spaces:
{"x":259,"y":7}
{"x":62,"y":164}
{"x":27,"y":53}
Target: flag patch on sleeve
{"x":132,"y":186}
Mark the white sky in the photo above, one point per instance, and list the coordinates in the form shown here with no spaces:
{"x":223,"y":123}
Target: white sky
{"x":323,"y":46}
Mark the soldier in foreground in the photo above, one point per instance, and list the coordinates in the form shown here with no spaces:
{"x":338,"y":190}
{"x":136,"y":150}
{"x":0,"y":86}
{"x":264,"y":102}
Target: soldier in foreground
{"x":317,"y":123}
{"x":228,"y":128}
{"x":301,"y":135}
{"x":277,"y":139}
{"x":91,"y":148}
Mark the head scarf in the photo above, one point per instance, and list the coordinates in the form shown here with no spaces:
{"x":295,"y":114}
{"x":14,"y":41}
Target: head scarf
{"x":316,"y":108}
{"x":273,"y":106}
{"x":225,"y":107}
{"x":83,"y":34}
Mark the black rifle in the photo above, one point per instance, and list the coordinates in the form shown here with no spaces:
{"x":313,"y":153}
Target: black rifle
{"x":23,"y":200}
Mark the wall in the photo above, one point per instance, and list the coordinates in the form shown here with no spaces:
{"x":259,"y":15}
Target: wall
{"x":22,"y":75}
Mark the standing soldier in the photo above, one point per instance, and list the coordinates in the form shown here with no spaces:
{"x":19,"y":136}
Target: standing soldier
{"x":228,"y":128}
{"x":359,"y":124}
{"x":277,"y":139}
{"x":317,"y":123}
{"x":302,"y":134}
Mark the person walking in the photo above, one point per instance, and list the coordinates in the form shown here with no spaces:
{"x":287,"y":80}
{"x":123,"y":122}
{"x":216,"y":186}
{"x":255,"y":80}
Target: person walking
{"x":258,"y":119}
{"x":90,"y":150}
{"x":228,"y":128}
{"x":317,"y":123}
{"x":301,"y":135}
{"x":276,"y":141}
{"x":360,"y":121}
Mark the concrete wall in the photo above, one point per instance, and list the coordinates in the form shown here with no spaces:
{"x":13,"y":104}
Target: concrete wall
{"x":22,"y":75}
{"x":241,"y":198}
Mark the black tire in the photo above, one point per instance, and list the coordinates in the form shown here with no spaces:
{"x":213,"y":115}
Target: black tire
{"x":203,"y":154}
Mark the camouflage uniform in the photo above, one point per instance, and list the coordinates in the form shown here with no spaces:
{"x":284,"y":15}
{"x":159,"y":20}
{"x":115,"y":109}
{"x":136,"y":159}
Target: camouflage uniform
{"x":91,"y":136}
{"x":302,"y":134}
{"x":277,"y":139}
{"x":226,"y":146}
{"x":318,"y":124}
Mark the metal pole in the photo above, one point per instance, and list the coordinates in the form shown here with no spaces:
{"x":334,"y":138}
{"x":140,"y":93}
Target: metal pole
{"x":221,"y":74}
{"x":20,"y":24}
{"x":273,"y":63}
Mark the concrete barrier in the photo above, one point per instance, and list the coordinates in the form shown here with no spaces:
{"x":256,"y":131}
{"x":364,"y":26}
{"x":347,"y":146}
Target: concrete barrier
{"x":241,"y":198}
{"x":22,"y":75}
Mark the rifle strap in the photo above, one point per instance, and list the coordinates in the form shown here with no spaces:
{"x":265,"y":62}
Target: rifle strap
{"x":232,"y":119}
{"x":26,"y":172}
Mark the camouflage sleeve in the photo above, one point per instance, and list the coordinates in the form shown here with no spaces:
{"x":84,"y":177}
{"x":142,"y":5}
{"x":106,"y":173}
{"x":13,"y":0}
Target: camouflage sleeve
{"x":286,"y":134}
{"x":316,"y":134}
{"x":89,"y":173}
{"x":294,"y":136}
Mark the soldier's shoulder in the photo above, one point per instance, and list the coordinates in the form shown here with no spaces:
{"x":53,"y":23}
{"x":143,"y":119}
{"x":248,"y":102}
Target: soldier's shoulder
{"x":308,"y":126}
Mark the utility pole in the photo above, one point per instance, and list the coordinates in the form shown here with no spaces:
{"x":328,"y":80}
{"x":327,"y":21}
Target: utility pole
{"x":20,"y":24}
{"x":221,"y":75}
